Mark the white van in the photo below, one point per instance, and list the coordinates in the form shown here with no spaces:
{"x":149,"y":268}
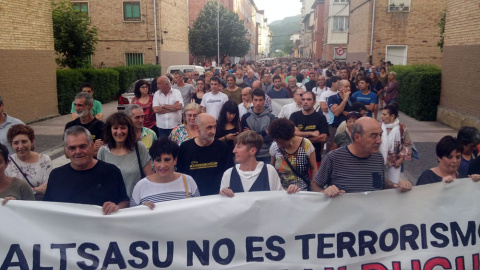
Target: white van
{"x":185,"y":68}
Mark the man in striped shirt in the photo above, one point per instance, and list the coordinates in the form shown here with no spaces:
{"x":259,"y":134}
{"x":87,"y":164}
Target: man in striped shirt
{"x":358,"y":167}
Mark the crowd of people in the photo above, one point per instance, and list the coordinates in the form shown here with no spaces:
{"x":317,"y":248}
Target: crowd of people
{"x":190,"y":135}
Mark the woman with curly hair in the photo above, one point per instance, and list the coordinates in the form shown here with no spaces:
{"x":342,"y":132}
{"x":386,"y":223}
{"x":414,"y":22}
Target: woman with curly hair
{"x":292,"y":156}
{"x":32,"y":167}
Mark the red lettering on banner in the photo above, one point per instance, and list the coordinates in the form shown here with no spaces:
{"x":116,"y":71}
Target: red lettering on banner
{"x":460,"y":263}
{"x":416,"y":265}
{"x":475,"y":262}
{"x":374,"y":266}
{"x":438,"y":261}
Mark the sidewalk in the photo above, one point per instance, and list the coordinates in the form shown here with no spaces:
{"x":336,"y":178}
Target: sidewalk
{"x":49,"y":134}
{"x":425,"y":135}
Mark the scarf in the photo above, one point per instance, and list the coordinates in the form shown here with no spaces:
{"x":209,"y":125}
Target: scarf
{"x":389,"y":140}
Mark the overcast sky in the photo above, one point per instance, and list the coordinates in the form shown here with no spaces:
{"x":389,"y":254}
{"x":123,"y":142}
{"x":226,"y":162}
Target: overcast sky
{"x":278,"y":9}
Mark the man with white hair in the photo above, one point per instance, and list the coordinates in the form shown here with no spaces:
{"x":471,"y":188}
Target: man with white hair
{"x":167,"y":105}
{"x":143,"y":134}
{"x":295,"y":106}
{"x":83,"y":105}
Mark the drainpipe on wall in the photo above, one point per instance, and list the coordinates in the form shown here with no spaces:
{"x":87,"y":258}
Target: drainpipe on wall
{"x":155,"y":27}
{"x":373,"y":28}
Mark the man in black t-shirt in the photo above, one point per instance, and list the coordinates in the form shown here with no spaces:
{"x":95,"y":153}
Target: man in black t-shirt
{"x":86,"y":180}
{"x":311,"y":124}
{"x":83,"y":104}
{"x":205,"y":158}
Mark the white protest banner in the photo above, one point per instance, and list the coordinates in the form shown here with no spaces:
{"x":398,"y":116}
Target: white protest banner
{"x":278,"y":103}
{"x":431,"y":227}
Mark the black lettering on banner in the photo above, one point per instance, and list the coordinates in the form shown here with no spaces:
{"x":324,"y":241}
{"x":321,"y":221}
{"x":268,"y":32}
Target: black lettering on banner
{"x":383,"y":236}
{"x":114,"y":256}
{"x":202,"y":255}
{"x":305,"y":246}
{"x":82,"y":252}
{"x":250,"y":248}
{"x":408,"y":238}
{"x":230,"y":251}
{"x":37,"y":265}
{"x":423,"y":234}
{"x":63,"y":253}
{"x":439,"y":236}
{"x":322,"y":245}
{"x":22,"y":261}
{"x":279,"y":250}
{"x":456,"y":231}
{"x":364,"y":244}
{"x":138,"y":254}
{"x":346,"y":244}
{"x":156,"y":259}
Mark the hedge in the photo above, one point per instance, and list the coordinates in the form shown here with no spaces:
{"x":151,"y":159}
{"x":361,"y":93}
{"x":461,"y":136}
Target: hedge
{"x":108,"y":83}
{"x":419,"y":90}
{"x":129,"y":74}
{"x":68,"y":84}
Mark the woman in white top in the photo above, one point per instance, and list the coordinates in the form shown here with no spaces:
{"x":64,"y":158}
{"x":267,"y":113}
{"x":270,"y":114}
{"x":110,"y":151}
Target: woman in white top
{"x":26,"y":164}
{"x":249,"y":174}
{"x":165,"y":184}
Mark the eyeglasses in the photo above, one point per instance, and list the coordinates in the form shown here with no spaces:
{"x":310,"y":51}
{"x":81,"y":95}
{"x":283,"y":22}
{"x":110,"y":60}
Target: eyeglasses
{"x":196,"y":74}
{"x":191,"y":115}
{"x":144,"y":86}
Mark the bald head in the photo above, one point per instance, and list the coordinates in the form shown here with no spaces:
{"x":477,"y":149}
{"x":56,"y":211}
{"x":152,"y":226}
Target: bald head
{"x":207,"y":126}
{"x":163,"y":83}
{"x":256,"y":84}
{"x":203,"y":118}
{"x":367,"y":135}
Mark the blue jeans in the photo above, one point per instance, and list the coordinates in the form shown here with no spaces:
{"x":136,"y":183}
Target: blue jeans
{"x":162,"y":132}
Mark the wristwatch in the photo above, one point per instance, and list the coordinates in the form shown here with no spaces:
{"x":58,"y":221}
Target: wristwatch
{"x":34,"y":191}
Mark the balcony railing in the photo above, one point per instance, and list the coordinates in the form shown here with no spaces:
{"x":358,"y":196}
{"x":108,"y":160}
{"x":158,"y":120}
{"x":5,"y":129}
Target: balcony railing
{"x":393,"y":8}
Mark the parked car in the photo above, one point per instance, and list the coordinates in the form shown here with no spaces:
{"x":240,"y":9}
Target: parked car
{"x":185,"y":69}
{"x":126,"y":98}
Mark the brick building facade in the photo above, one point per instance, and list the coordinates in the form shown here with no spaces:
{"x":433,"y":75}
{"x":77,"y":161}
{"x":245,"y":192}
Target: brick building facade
{"x":460,"y":97}
{"x":126,"y":32}
{"x":335,"y":30}
{"x":318,"y":31}
{"x":27,"y":59}
{"x":405,"y":32}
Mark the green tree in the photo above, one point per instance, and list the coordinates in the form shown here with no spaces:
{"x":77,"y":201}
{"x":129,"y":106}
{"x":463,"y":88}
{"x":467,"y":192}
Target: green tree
{"x":443,"y":20}
{"x":203,"y":35}
{"x":74,"y":37}
{"x":288,"y":46}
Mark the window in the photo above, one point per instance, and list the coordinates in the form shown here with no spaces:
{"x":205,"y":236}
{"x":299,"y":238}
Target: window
{"x":131,"y":11}
{"x":399,"y":5}
{"x":397,"y":54}
{"x":340,"y":24}
{"x":80,"y":6}
{"x":133,"y":59}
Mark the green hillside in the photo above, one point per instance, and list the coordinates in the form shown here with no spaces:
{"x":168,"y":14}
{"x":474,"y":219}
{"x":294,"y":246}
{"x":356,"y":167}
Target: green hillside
{"x":282,"y":29}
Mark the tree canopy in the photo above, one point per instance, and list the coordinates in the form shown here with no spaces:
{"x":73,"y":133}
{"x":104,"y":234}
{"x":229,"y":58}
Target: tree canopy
{"x":203,"y":34}
{"x":74,"y":38}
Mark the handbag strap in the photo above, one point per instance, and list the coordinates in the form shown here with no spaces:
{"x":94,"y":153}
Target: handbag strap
{"x":142,"y":173}
{"x":24,"y":175}
{"x":185,"y":185}
{"x":294,"y":170}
